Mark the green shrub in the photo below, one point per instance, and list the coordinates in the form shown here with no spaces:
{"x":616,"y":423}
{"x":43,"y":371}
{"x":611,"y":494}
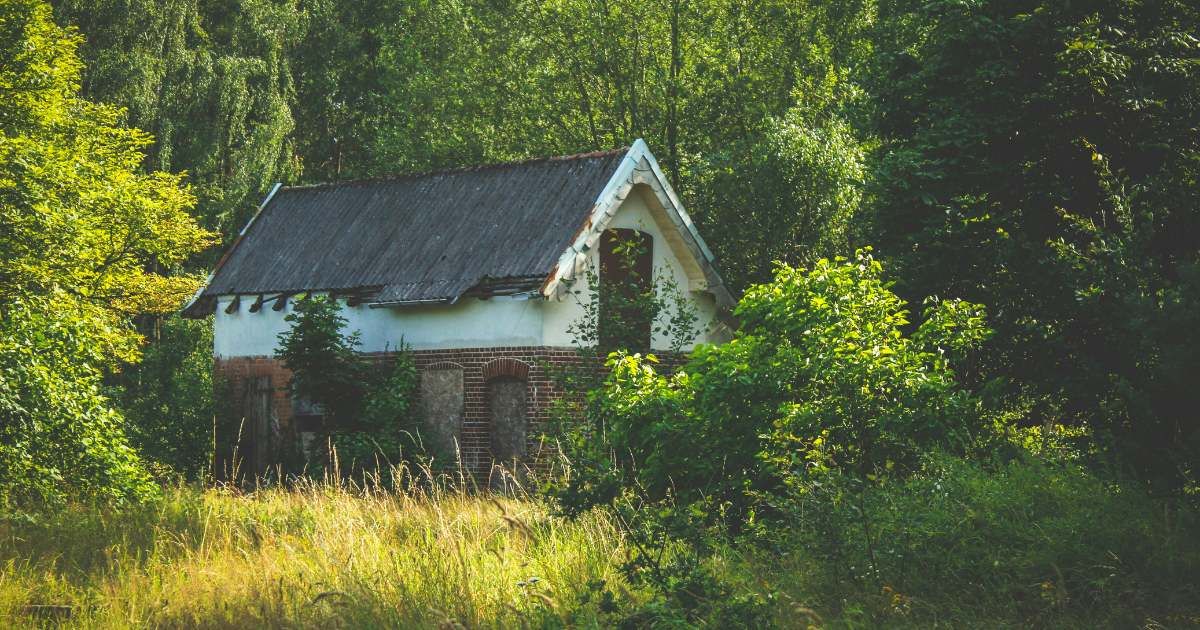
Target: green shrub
{"x":370,"y":418}
{"x":167,"y":399}
{"x":325,"y":364}
{"x":60,"y":438}
{"x":819,"y":377}
{"x":1025,"y":541}
{"x":387,"y":432}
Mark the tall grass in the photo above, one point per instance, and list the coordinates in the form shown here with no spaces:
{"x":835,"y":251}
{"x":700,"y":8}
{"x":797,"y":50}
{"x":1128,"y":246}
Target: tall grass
{"x":315,"y":555}
{"x":957,"y":545}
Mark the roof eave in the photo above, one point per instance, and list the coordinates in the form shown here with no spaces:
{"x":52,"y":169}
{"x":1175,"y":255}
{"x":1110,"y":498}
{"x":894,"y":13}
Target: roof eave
{"x":196,"y":307}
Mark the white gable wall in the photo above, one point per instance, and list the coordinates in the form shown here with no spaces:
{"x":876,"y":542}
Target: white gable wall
{"x":472,"y":322}
{"x":635,"y":213}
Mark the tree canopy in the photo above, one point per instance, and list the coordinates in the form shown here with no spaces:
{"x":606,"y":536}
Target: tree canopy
{"x":87,"y":240}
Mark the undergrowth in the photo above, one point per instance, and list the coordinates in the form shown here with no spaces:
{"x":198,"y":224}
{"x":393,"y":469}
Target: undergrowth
{"x":319,"y":555}
{"x":957,"y":545}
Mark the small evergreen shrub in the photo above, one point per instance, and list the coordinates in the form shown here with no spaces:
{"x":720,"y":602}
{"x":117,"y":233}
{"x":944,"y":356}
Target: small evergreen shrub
{"x":371,"y":415}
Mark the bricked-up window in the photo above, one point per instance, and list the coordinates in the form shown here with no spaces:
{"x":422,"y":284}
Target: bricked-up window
{"x":626,"y":286}
{"x":442,"y":409}
{"x":508,"y":425}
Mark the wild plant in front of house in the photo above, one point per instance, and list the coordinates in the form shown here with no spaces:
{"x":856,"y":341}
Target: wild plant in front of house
{"x":370,"y":415}
{"x":621,"y":307}
{"x":616,"y":314}
{"x":820,"y":376}
{"x":820,"y":381}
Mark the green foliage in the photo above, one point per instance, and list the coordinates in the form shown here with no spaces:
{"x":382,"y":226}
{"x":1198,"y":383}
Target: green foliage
{"x":87,"y":240}
{"x":212,"y":81}
{"x":372,"y":419}
{"x":60,"y":438}
{"x":167,"y":398}
{"x":1035,"y":543}
{"x":387,"y":433}
{"x":1040,"y":157}
{"x":819,"y":377}
{"x":325,"y":364}
{"x":617,"y":311}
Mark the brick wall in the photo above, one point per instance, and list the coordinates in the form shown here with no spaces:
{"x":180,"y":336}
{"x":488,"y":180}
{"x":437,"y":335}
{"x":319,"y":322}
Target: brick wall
{"x":533,"y":364}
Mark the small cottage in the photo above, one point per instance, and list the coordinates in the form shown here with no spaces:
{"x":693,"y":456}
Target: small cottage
{"x":482,"y":272}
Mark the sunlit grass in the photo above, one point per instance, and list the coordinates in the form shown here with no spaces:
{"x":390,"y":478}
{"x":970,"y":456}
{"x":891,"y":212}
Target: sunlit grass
{"x":316,"y":555}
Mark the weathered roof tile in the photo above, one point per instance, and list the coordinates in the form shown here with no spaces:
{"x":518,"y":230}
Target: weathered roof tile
{"x":421,"y":237}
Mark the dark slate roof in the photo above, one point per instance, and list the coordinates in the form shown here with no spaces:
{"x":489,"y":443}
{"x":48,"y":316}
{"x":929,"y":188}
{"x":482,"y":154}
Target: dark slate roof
{"x":429,"y":237}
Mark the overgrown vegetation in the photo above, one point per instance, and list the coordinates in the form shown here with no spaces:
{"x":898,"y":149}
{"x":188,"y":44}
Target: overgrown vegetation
{"x":957,"y":545}
{"x":315,"y":555}
{"x":370,"y":415}
{"x":1026,"y":457}
{"x":827,"y":432}
{"x":87,"y":240}
{"x":168,"y":399}
{"x":819,"y":378}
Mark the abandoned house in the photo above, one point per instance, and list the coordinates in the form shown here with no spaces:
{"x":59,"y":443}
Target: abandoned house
{"x":482,"y":272}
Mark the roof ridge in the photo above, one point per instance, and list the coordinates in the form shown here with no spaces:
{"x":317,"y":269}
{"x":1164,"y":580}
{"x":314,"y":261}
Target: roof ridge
{"x":458,"y":170}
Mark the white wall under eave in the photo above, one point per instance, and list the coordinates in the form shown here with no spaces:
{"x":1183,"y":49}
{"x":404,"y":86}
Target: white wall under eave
{"x":471,"y":323}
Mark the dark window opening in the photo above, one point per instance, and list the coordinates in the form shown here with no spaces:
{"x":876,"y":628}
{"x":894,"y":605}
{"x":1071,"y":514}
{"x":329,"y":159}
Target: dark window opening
{"x":626,"y":290}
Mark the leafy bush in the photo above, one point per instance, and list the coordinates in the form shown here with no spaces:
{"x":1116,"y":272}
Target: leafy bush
{"x":819,"y":383}
{"x":1024,"y":540}
{"x":167,"y":399}
{"x":60,"y":438}
{"x":387,"y":432}
{"x":819,"y":377}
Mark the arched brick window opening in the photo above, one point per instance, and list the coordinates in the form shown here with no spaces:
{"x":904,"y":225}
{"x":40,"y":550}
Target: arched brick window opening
{"x":515,"y":368}
{"x":626,"y":278}
{"x":508,"y":417}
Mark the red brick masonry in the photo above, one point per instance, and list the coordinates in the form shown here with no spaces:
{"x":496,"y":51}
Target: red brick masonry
{"x":534,"y":364}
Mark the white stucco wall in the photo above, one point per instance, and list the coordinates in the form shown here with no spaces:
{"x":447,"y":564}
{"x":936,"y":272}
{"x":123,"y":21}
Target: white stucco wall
{"x":472,"y":323}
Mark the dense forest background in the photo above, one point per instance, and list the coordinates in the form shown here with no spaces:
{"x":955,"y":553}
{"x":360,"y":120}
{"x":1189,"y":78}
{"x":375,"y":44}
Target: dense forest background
{"x":1037,"y":157}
